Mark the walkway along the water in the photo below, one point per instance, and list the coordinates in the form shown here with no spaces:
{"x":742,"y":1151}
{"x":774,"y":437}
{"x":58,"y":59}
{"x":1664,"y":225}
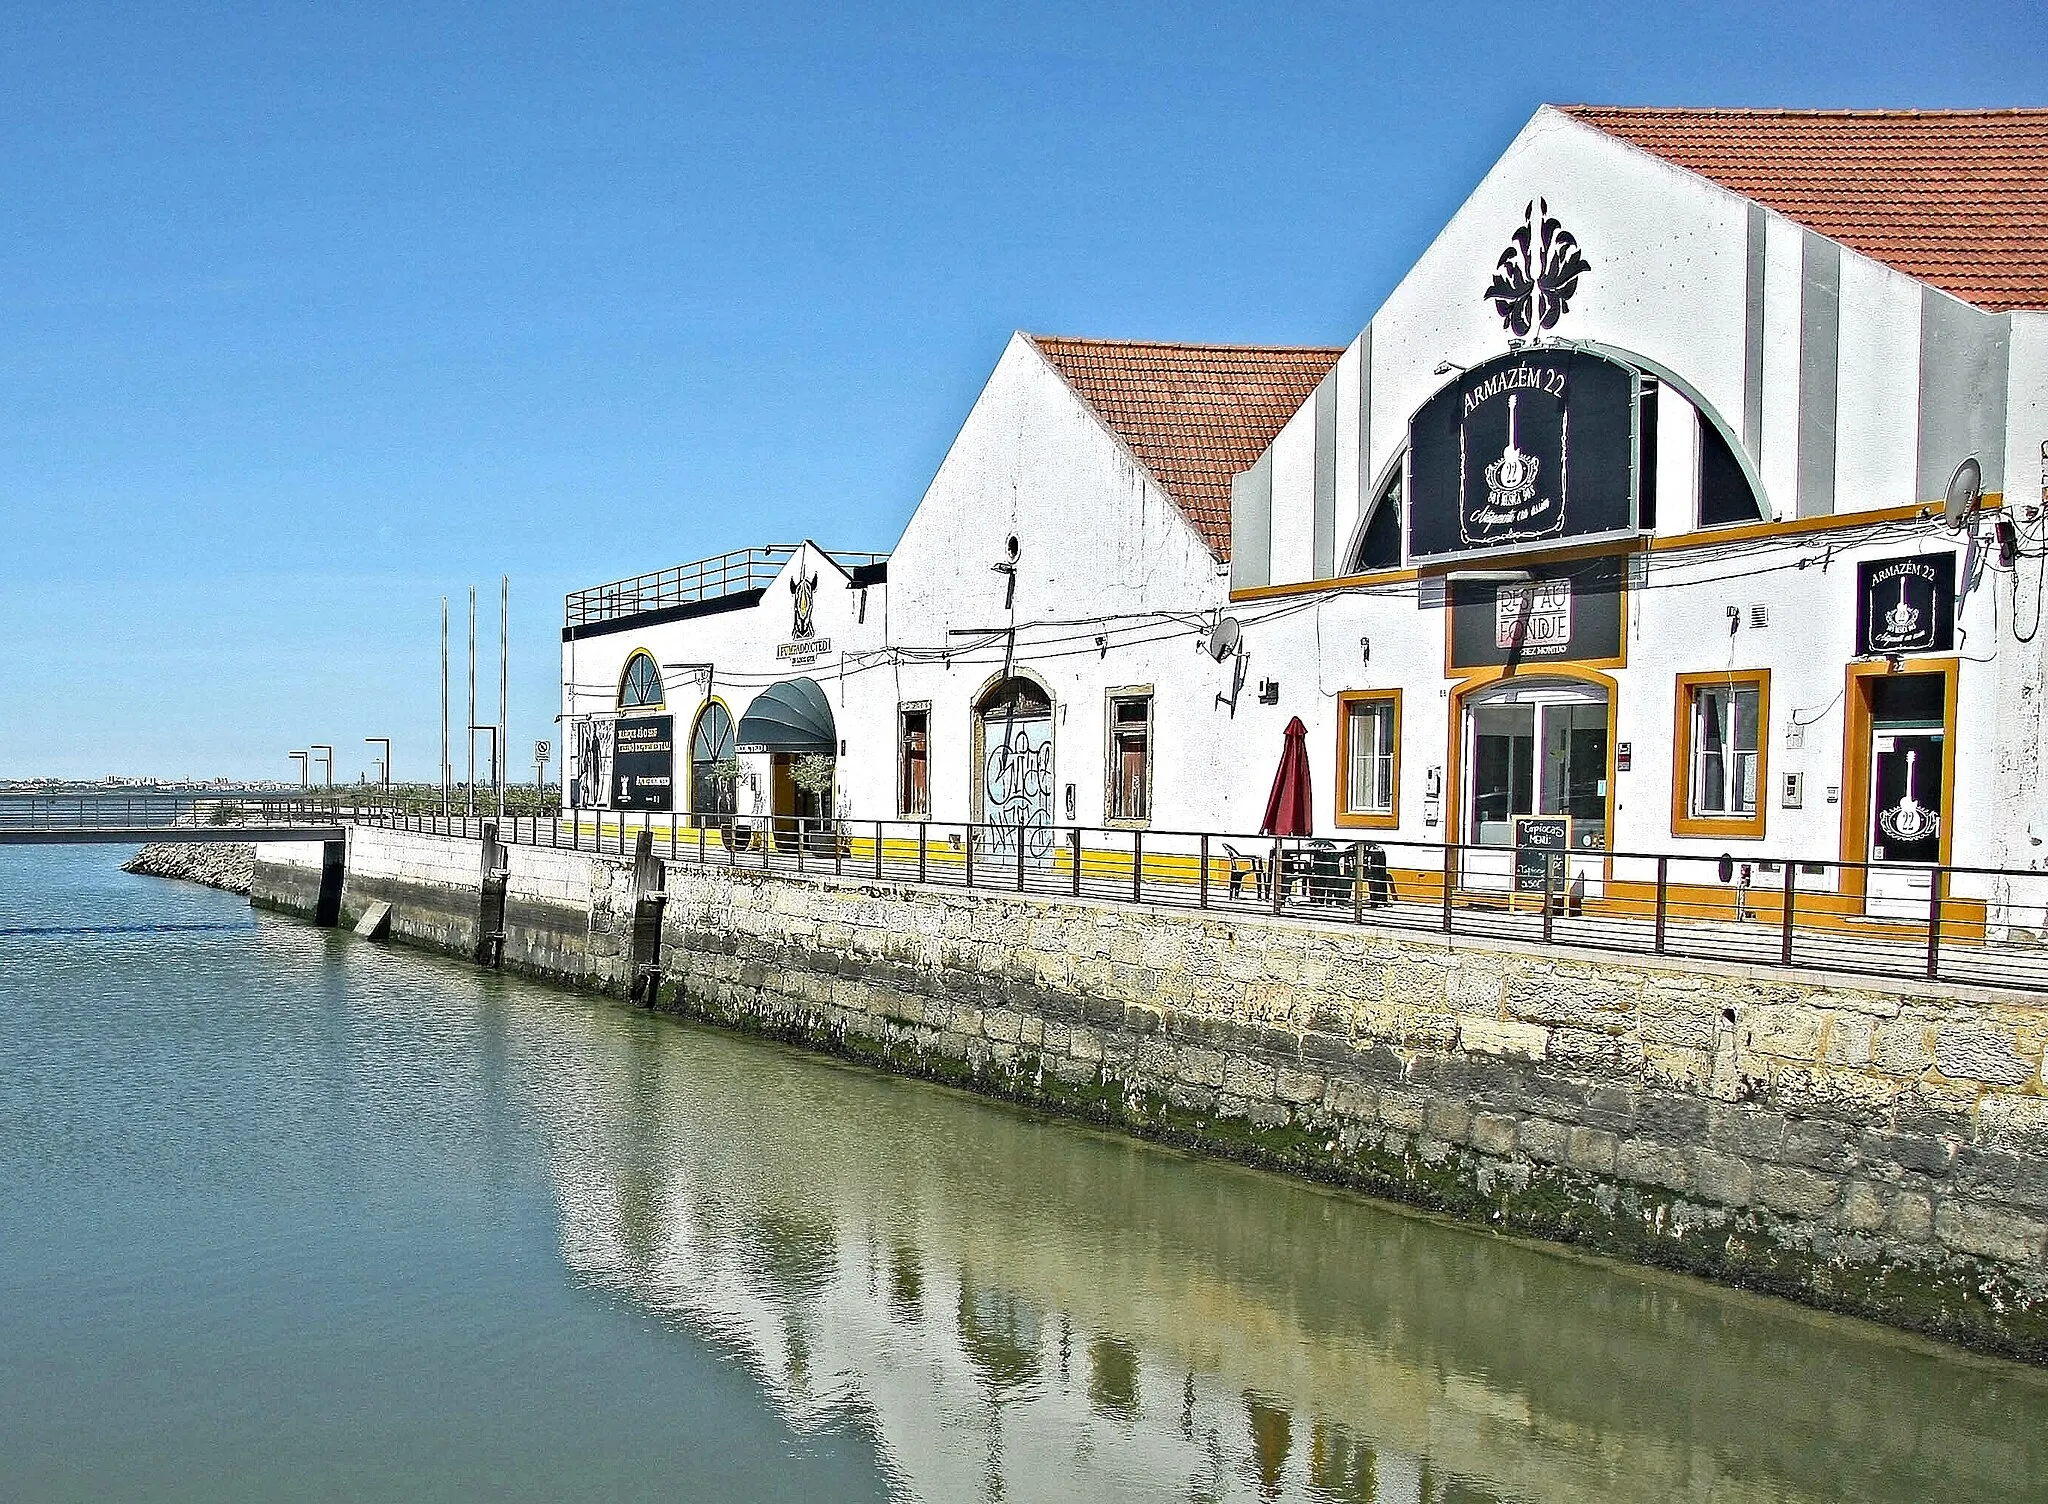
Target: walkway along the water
{"x":1880,"y":1149}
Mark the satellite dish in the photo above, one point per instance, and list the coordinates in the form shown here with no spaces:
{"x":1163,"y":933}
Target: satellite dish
{"x":1965,"y":490}
{"x":1223,"y":638}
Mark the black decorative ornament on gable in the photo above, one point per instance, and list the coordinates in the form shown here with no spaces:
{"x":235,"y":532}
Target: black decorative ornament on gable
{"x":1536,"y":276}
{"x":804,"y":590}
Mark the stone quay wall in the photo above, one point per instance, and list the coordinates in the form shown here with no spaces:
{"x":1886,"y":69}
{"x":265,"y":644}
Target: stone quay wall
{"x":286,"y":875}
{"x":1874,"y":1148}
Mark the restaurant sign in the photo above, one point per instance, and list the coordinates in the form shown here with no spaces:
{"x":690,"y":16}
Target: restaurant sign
{"x":1906,"y":605}
{"x":1533,"y":447}
{"x":643,"y":762}
{"x":1565,"y":613}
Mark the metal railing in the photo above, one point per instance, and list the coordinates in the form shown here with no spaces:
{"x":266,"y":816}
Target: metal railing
{"x":1978,"y":925}
{"x":701,"y":580}
{"x":173,"y":811}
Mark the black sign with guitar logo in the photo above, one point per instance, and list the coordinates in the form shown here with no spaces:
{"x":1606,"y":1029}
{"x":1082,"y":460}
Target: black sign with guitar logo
{"x":1906,"y":605}
{"x":1533,"y":447}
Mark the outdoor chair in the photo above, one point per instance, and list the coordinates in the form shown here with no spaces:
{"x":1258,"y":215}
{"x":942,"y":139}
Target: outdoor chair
{"x":1242,"y":866}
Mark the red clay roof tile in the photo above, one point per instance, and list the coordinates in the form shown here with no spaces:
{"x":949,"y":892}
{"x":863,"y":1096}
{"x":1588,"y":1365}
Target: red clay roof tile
{"x":1194,"y":415}
{"x":1957,"y":198}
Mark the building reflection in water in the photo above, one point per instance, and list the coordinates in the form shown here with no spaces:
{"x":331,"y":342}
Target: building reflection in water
{"x":1013,"y":1308}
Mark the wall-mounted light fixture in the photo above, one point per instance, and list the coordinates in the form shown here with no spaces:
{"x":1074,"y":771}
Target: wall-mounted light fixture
{"x":1269,"y":691}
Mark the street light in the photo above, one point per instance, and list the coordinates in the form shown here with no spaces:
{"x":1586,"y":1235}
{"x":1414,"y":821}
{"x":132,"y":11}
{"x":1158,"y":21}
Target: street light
{"x":302,"y":766}
{"x":329,"y":759}
{"x":384,"y":762}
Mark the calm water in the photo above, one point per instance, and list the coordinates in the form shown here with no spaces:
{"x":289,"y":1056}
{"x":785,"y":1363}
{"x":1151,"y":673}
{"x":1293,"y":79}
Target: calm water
{"x":287,"y":1215}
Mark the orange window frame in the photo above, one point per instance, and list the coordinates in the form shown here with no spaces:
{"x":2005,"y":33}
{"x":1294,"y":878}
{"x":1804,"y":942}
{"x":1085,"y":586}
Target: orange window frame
{"x":1737,"y":827}
{"x":1346,"y":818}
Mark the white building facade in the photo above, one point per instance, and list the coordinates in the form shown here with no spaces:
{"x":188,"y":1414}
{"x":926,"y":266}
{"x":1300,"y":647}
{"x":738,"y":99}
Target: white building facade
{"x":1684,"y":499}
{"x":1625,"y":515}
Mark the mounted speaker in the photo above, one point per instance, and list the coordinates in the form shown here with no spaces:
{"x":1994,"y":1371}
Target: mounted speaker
{"x":1965,"y":491}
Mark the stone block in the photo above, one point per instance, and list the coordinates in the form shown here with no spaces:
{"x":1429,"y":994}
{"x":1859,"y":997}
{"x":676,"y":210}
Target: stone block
{"x":1402,"y":1111}
{"x":1592,"y":1149}
{"x":1201,"y":1067}
{"x":1267,"y":1115}
{"x":1724,"y":1179}
{"x":1493,"y":1133}
{"x":1992,"y":1232}
{"x":1542,"y":1139}
{"x":1865,"y":1207}
{"x":1352,"y":1099}
{"x":1797,"y":1191}
{"x":1248,"y":1078}
{"x":1789,"y":1031}
{"x":1492,"y":1036}
{"x":1756,"y":1132}
{"x":1297,"y":1086}
{"x":1447,"y":1119}
{"x":1653,"y":1164}
{"x":1970,"y":1052}
{"x":1671,"y":1119}
{"x":1911,"y":1219}
{"x":1818,"y":1145}
{"x":1919,"y":1152}
{"x":1084,"y":1044}
{"x":1191,"y":1099}
{"x":2013,"y":1122}
{"x":1002,"y":1025}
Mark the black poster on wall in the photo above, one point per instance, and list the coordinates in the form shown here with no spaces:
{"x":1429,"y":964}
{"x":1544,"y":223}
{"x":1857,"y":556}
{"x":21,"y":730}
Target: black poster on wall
{"x":1906,"y":605}
{"x":1529,"y":448}
{"x":1563,"y":613}
{"x":643,"y":762}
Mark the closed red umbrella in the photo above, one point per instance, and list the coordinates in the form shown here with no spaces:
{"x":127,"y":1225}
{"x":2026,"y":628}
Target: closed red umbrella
{"x":1288,"y":811}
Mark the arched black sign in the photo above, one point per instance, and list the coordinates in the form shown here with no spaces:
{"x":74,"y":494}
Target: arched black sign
{"x":1530,"y":448}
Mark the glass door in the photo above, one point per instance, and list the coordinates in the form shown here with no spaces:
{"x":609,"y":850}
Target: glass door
{"x":1534,"y":749}
{"x":1503,"y":764}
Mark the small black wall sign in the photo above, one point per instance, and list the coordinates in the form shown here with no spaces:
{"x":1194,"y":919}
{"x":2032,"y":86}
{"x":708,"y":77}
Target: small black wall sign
{"x":1906,"y":605}
{"x":1564,"y":613}
{"x":1533,"y":446}
{"x":643,"y":762}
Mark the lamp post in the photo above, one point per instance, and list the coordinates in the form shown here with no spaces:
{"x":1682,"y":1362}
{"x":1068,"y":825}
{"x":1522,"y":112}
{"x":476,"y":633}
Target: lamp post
{"x":497,"y":788}
{"x":383,"y":763}
{"x":327,"y":757}
{"x":302,"y":766}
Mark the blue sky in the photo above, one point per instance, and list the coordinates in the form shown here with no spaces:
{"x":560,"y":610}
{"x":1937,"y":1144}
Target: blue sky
{"x":310,"y":315}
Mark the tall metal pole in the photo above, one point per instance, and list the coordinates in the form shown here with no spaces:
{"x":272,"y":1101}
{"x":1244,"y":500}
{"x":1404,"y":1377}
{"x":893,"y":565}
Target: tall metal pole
{"x":469,"y":789}
{"x":502,"y":761}
{"x":444,"y":706}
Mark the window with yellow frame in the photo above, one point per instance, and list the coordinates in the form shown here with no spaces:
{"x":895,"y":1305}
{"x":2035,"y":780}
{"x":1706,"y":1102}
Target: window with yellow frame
{"x":1720,"y":748}
{"x":1369,"y":759}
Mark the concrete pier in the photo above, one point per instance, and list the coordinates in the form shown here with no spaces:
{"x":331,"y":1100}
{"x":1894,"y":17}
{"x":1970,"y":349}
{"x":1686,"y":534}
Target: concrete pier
{"x":1875,"y":1149}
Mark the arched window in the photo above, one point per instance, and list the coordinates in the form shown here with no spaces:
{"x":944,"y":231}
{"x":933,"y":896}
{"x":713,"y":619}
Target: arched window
{"x":711,"y":754}
{"x":1379,"y":541}
{"x":640,"y":686}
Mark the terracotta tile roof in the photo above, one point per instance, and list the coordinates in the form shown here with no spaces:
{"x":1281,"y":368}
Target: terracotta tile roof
{"x":1957,"y":198}
{"x":1194,"y":415}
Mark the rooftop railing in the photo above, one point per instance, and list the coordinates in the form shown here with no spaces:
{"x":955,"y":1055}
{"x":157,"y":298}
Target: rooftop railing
{"x":688,"y":584}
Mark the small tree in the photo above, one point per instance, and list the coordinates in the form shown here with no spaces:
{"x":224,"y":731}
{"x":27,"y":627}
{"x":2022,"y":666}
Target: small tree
{"x":815,"y":773}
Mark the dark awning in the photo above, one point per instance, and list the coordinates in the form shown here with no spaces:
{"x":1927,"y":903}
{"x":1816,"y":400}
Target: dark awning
{"x":792,"y":716}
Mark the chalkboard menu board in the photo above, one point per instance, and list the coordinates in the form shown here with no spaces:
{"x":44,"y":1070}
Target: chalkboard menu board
{"x":1540,"y":843}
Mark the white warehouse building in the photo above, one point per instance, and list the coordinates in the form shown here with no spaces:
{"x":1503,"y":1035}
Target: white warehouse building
{"x":1685,"y":499}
